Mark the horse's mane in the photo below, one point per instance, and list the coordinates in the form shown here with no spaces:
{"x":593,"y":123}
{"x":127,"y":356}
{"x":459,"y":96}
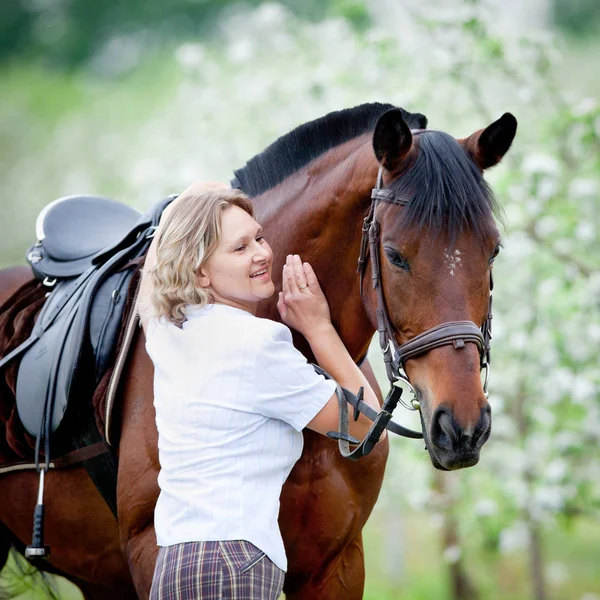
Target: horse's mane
{"x":446,"y":189}
{"x":300,"y":146}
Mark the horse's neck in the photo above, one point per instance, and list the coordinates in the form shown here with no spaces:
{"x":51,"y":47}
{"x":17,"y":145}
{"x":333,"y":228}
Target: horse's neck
{"x":317,"y":213}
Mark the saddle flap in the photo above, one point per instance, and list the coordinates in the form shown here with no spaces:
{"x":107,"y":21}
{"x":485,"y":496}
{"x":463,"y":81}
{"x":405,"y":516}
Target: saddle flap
{"x":39,"y":374}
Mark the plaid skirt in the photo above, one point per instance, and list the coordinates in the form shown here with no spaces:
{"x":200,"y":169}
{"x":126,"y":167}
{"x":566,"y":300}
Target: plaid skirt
{"x":231,"y":570}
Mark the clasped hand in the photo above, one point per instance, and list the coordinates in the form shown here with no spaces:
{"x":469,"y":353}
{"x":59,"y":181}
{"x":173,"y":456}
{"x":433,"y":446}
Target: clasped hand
{"x":302,"y":303}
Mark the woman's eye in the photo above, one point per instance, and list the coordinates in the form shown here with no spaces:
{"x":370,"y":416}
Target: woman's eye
{"x":240,"y":248}
{"x":260,"y":239}
{"x":396,"y":259}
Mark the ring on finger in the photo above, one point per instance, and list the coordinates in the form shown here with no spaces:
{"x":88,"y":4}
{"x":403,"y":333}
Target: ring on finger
{"x":303,"y":286}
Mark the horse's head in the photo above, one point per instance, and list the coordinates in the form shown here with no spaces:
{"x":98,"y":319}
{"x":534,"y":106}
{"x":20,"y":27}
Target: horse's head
{"x":438,"y":241}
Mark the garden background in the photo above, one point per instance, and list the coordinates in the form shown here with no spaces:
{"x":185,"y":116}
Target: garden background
{"x":134,"y":100}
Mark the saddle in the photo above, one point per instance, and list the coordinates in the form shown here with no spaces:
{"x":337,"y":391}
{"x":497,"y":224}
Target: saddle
{"x":87,"y":251}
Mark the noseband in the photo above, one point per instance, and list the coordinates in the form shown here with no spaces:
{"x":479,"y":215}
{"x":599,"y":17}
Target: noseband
{"x":455,"y":333}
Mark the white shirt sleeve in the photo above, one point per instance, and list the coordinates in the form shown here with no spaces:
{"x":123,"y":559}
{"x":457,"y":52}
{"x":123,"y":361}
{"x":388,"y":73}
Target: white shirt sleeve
{"x":286,"y":386}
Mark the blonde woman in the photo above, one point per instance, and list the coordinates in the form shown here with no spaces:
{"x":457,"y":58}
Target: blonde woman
{"x":231,"y":394}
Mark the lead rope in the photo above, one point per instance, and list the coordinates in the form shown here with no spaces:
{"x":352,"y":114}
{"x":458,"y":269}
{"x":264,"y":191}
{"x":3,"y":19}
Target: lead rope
{"x":380,"y":423}
{"x":381,"y":420}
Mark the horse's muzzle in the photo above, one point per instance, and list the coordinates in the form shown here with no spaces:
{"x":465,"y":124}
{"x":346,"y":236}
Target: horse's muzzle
{"x":452,"y":446}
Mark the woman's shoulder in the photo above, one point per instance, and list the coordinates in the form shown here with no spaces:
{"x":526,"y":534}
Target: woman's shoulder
{"x":273,"y":331}
{"x":238,"y":323}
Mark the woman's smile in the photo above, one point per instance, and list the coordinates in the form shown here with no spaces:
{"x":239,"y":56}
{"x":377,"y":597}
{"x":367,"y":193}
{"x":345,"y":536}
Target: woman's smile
{"x":262,"y":275}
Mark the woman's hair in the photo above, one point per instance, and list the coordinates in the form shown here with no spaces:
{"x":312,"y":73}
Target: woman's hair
{"x":186,"y":238}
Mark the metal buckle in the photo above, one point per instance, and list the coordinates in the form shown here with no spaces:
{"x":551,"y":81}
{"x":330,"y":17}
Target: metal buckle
{"x":49,"y":282}
{"x":486,"y":368}
{"x":387,"y":348}
{"x":34,"y":257}
{"x":413,"y":403}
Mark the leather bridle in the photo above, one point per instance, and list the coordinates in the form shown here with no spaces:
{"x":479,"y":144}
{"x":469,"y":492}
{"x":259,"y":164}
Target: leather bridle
{"x":456,"y":333}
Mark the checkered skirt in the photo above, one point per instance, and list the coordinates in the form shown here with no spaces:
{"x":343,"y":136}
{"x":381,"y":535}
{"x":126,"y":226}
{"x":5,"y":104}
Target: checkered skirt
{"x":231,"y":570}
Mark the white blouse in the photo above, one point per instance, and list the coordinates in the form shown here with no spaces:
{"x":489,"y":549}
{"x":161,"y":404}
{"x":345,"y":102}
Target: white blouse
{"x":232,"y":396}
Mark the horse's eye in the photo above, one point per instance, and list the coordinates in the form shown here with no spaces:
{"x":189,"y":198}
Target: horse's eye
{"x":396,"y":259}
{"x":494,"y":254}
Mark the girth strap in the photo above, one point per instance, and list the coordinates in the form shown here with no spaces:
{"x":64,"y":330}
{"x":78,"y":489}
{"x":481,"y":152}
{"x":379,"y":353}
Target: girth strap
{"x":68,"y":460}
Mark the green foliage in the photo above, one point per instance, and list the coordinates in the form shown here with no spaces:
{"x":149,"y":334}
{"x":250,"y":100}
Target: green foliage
{"x":19,"y":580}
{"x":577,"y":17}
{"x":71,"y":34}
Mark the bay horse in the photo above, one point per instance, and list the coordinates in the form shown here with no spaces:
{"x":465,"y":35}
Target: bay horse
{"x":311,"y":190}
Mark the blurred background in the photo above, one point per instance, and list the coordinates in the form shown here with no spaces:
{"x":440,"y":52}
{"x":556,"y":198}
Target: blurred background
{"x":135,"y":99}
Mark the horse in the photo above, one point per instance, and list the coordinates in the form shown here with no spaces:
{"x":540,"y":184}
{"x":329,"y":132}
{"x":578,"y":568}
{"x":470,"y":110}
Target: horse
{"x":311,"y":189}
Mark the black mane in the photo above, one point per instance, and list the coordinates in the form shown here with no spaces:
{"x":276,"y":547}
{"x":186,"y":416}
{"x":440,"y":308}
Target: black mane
{"x":446,"y":191}
{"x":300,"y":146}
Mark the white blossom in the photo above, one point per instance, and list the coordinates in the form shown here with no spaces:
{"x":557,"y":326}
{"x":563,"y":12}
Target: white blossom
{"x":540,"y":163}
{"x":190,"y":55}
{"x":486,"y":507}
{"x":452,"y":554}
{"x":557,"y":573}
{"x":513,"y":538}
{"x":584,"y":187}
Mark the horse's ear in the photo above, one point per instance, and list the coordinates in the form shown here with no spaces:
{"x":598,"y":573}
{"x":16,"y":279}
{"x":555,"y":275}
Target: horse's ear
{"x":488,"y":146}
{"x":392,"y":139}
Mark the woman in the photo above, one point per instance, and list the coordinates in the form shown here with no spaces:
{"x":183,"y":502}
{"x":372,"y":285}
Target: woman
{"x":231,"y":394}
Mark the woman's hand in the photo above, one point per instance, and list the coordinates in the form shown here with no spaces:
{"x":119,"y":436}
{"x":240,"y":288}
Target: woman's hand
{"x":302,"y":304}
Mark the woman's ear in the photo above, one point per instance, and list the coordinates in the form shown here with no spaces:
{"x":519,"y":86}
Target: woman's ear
{"x":203,"y":279}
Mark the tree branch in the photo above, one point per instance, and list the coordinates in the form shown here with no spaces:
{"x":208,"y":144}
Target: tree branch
{"x":562,"y":256}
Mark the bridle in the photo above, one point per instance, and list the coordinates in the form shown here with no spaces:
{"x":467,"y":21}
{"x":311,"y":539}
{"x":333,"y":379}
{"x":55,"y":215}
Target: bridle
{"x":456,"y":333}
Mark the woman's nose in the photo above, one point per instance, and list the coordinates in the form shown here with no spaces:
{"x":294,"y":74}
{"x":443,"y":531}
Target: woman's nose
{"x":263,"y":253}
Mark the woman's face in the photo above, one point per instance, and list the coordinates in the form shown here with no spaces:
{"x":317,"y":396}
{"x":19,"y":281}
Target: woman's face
{"x":238,"y":273}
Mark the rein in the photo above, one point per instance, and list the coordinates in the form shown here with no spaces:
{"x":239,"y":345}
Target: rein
{"x":457,"y":333}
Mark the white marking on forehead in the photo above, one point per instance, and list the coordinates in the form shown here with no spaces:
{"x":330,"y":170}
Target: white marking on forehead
{"x":453,"y":261}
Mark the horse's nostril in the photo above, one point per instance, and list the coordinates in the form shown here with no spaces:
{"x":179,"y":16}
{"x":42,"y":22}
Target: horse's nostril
{"x":447,"y":425}
{"x":483,"y":427}
{"x":448,"y":435}
{"x":443,"y":432}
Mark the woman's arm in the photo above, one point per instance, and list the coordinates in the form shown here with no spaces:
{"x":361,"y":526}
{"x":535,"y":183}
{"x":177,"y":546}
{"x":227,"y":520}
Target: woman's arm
{"x":303,"y":306}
